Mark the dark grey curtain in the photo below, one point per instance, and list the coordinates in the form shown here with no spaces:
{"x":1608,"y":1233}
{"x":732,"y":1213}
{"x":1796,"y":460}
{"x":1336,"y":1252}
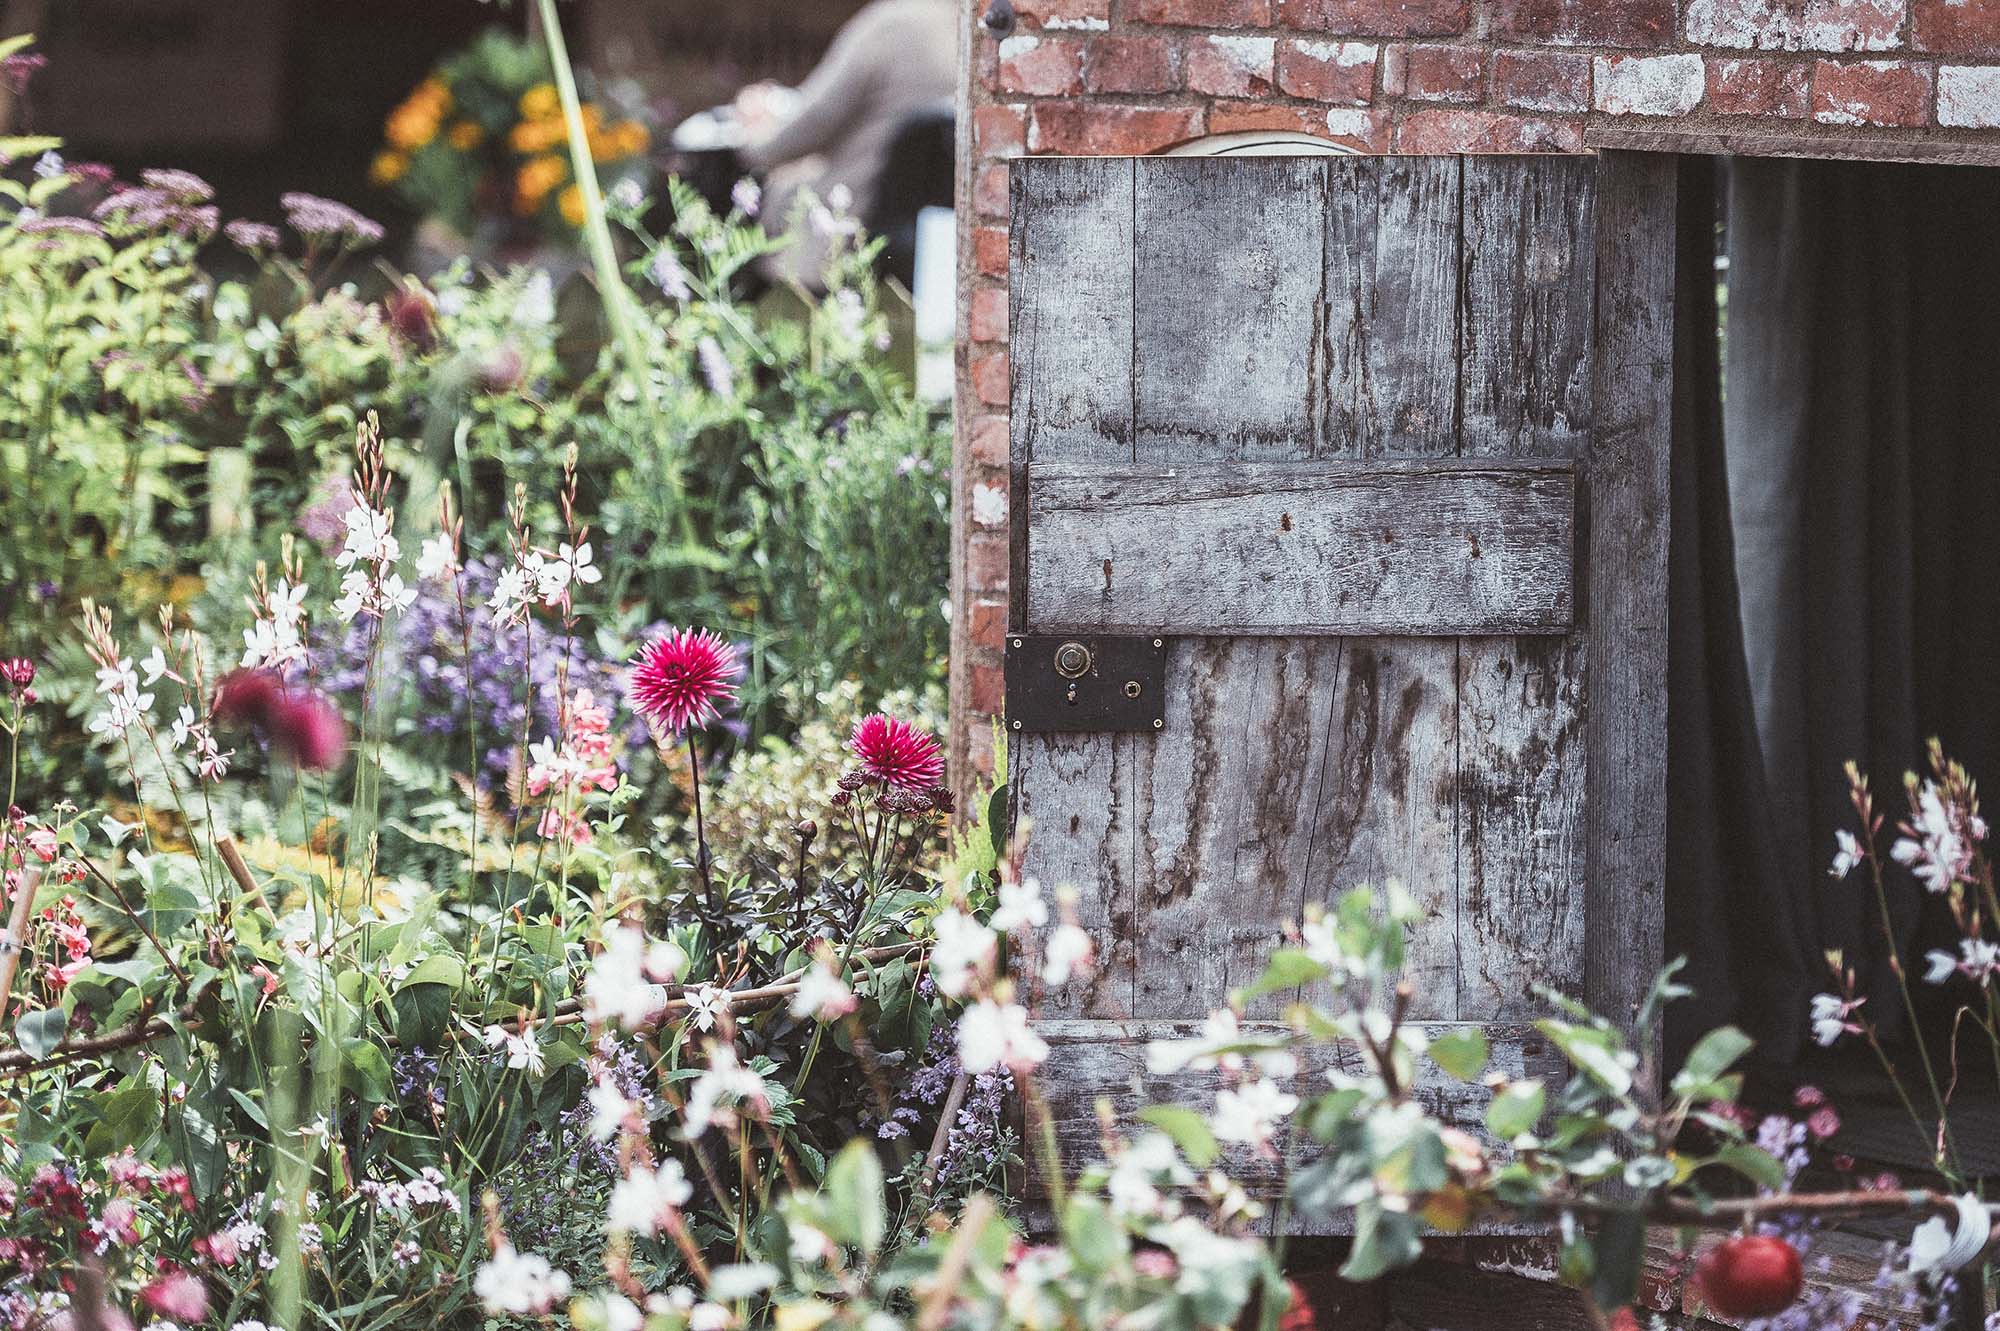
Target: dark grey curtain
{"x":1861,"y":421}
{"x":1730,"y":910}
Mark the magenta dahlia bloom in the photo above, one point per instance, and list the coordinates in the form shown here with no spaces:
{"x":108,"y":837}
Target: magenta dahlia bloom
{"x":897,"y":753}
{"x":679,"y":678}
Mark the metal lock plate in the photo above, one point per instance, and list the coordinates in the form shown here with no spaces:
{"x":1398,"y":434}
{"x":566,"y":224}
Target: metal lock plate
{"x":1075,"y":682}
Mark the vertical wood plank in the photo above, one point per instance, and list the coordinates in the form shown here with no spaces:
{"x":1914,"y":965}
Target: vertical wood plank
{"x":1386,"y":804}
{"x":1626,"y":571}
{"x":1070,"y":309}
{"x":1390,"y":323}
{"x":1527,"y":339}
{"x":1076,"y":800}
{"x":1530,"y":263}
{"x":1226,"y":307}
{"x":1070,"y":349}
{"x":1521,"y":903}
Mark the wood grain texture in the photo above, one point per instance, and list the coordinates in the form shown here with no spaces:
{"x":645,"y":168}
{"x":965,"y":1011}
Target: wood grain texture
{"x":1226,"y":303}
{"x":1626,"y":557}
{"x":1089,"y":1060}
{"x":1322,"y":547}
{"x":1076,"y":802}
{"x":1227,"y":794}
{"x":1070,"y":309}
{"x":1389,"y":322}
{"x":1521,"y":764}
{"x":1530,"y":265}
{"x":1386,"y":808}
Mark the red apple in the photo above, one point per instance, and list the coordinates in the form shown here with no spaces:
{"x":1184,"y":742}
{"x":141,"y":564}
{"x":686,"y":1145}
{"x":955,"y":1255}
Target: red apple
{"x":1752,"y":1275}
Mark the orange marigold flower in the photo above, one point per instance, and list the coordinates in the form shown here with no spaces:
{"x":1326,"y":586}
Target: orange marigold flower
{"x":466,"y":135}
{"x":540,"y":102}
{"x":570,"y":202}
{"x":388,"y":167}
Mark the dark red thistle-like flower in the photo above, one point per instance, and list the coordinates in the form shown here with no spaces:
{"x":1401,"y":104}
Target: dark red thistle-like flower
{"x":412,"y":316}
{"x":311,"y":729}
{"x":302,"y":723}
{"x":897,"y":753}
{"x":246,"y":697}
{"x":680,"y":678}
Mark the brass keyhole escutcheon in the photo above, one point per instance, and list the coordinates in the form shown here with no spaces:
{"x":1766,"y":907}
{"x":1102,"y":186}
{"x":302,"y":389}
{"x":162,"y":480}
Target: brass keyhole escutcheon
{"x":1072,"y":660}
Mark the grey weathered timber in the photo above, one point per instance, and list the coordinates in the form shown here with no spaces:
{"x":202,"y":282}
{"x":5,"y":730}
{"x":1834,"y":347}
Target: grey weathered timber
{"x":1310,"y":351}
{"x":1393,"y":547}
{"x":1222,"y":323}
{"x":1108,"y":1061}
{"x":1625,"y":732}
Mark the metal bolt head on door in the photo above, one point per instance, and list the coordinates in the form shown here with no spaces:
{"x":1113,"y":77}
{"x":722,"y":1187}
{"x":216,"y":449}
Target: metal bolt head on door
{"x":1072,"y":661}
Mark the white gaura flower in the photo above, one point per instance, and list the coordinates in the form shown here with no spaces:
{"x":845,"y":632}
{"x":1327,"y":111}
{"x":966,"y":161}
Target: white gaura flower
{"x":1938,"y":1245}
{"x":522,"y":1283}
{"x":523,"y":1051}
{"x":617,"y":989}
{"x":1847,"y":853}
{"x":436,"y":558}
{"x":156,"y":666}
{"x":706,"y":1004}
{"x":1831,"y":1018}
{"x":643,"y":1200}
{"x":610,"y":1111}
{"x":571,"y":565}
{"x":964,"y":947}
{"x":369,"y":540}
{"x":1939,"y":851}
{"x":1250,"y":1113}
{"x":992,"y":1035}
{"x":822,"y":995}
{"x":1067,"y":953}
{"x":513,"y":593}
{"x":1977,"y":959}
{"x":1133,"y":1186}
{"x":722,"y":1085}
{"x":1021,"y":907}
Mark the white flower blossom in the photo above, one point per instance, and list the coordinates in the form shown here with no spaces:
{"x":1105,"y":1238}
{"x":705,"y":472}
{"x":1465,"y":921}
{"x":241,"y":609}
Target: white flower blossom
{"x":706,"y":1004}
{"x":155,"y":666}
{"x":1250,"y":1113}
{"x":522,"y":1283}
{"x":610,"y":1110}
{"x":1133,"y":1186}
{"x":724,"y":1079}
{"x":994,"y":1035}
{"x":1066,"y":954}
{"x":1021,"y":907}
{"x":964,"y":946}
{"x":513,"y":593}
{"x":822,"y":995}
{"x":642,"y":1200}
{"x":1830,"y":1018}
{"x":617,"y":989}
{"x":1977,"y":959}
{"x":989,"y":505}
{"x":523,"y":1051}
{"x":436,"y":558}
{"x":1847,"y":853}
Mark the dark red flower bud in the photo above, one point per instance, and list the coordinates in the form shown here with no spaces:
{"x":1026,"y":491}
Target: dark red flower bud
{"x":412,"y":316}
{"x":247,"y":697}
{"x":311,"y":729}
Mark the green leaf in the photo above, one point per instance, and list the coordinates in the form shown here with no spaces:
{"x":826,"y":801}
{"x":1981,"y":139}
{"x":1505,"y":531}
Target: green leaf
{"x":1094,"y":1240}
{"x":1461,"y":1053}
{"x":1287,"y":969}
{"x":853,"y":1194}
{"x":1621,"y":1251}
{"x":1596,"y":1053}
{"x":1753,"y":1163}
{"x":39,"y":1033}
{"x":1515,"y":1109}
{"x":439,"y":968}
{"x":1189,"y":1130}
{"x":1713,"y":1055}
{"x":372,"y":1066}
{"x":1383,"y":1241}
{"x":125,"y":1117}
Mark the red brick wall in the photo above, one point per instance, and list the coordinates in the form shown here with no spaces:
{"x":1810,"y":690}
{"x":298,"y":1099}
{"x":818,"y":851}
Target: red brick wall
{"x":1088,"y":77}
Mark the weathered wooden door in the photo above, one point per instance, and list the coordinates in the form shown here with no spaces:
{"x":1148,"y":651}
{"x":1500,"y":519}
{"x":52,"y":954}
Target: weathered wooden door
{"x":1377,"y":448}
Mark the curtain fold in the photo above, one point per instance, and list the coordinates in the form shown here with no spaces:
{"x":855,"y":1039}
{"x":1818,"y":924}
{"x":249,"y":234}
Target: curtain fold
{"x":1729,"y":910}
{"x":1861,"y":423}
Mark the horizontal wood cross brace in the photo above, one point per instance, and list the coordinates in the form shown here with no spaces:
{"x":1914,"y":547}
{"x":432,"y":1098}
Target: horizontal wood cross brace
{"x":1419,"y":547}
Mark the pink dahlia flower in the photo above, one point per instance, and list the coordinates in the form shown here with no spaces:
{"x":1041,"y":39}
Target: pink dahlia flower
{"x":897,"y":753}
{"x":679,"y":678}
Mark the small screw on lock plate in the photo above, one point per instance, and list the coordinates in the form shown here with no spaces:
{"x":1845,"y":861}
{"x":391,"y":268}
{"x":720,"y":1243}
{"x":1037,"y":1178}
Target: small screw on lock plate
{"x":1132,"y":688}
